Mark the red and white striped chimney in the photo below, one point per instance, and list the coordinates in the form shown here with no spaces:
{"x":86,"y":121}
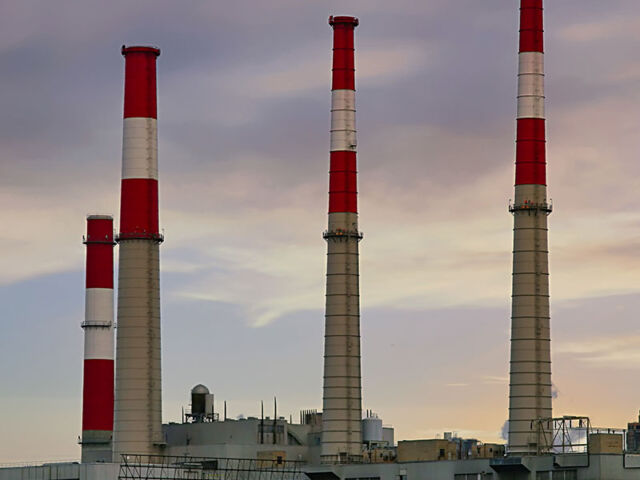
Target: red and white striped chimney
{"x":97,"y":393}
{"x":530,"y":366}
{"x":138,"y":402}
{"x":342,"y":400}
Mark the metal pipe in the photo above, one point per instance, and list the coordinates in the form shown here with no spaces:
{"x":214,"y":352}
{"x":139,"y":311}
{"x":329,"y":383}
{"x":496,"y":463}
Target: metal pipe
{"x":530,"y":363}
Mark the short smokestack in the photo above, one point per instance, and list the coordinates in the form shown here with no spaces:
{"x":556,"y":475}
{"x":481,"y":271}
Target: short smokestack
{"x":342,"y":399}
{"x":97,"y":391}
{"x":138,"y":402}
{"x":530,"y":372}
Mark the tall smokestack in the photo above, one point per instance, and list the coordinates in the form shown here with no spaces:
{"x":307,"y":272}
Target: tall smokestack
{"x":138,"y":402}
{"x":342,"y":401}
{"x":530,"y":373}
{"x":97,"y":392}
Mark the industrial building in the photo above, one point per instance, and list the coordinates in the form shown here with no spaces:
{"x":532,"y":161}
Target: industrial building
{"x":123,"y":436}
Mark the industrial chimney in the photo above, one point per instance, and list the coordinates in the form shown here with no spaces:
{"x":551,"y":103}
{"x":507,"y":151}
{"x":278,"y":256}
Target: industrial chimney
{"x":530,"y":372}
{"x":138,"y":402}
{"x":97,"y":391}
{"x":342,"y":401}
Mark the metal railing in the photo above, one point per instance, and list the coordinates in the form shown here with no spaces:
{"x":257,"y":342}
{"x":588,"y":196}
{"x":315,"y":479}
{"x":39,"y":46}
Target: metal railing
{"x":342,"y":459}
{"x":162,"y":467}
{"x":565,"y":435}
{"x":531,"y":208}
{"x":156,"y":237}
{"x":340,"y":234}
{"x":39,"y":463}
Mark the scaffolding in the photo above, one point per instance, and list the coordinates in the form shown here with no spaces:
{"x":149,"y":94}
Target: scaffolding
{"x":162,"y":467}
{"x":563,"y":435}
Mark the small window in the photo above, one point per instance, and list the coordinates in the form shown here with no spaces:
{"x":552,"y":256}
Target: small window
{"x":473,"y":476}
{"x":565,"y":475}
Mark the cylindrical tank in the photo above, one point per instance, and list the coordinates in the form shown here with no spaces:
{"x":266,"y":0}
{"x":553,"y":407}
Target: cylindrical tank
{"x":371,"y":430}
{"x":208,"y":405}
{"x":198,"y":399}
{"x":388,"y":436}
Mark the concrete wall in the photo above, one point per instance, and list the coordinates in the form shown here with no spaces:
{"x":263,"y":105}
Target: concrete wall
{"x":605,"y":443}
{"x":244,"y":432}
{"x":426,"y":450}
{"x":228,"y":432}
{"x":63,"y":471}
{"x":138,"y":391}
{"x":599,"y":467}
{"x":490,"y":450}
{"x":233,"y":439}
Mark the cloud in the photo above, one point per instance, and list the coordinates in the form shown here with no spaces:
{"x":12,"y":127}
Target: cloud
{"x":614,"y":27}
{"x":459,"y":433}
{"x":42,"y":239}
{"x":244,"y":113}
{"x":619,"y":351}
{"x":304,"y":70}
{"x":494,"y":379}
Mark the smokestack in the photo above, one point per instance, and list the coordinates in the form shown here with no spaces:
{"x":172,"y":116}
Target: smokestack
{"x":97,"y":392}
{"x":530,"y":373}
{"x":138,"y":402}
{"x":342,"y":402}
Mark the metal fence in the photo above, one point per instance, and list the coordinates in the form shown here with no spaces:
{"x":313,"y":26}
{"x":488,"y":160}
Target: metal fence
{"x":161,"y":467}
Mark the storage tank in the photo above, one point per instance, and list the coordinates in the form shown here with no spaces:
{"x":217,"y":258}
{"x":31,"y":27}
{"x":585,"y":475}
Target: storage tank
{"x":199,"y":395}
{"x":388,"y":436}
{"x":372,"y":430}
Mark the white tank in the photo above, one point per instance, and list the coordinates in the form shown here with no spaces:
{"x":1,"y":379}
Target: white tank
{"x":371,"y":430}
{"x":199,"y":395}
{"x":388,"y":436}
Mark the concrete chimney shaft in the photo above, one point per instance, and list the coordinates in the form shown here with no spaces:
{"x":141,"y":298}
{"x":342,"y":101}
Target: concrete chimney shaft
{"x":342,"y":404}
{"x":530,"y":365}
{"x":138,"y":402}
{"x":97,"y":391}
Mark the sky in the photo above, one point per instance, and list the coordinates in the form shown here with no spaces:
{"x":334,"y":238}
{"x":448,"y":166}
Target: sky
{"x":243,"y":108}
